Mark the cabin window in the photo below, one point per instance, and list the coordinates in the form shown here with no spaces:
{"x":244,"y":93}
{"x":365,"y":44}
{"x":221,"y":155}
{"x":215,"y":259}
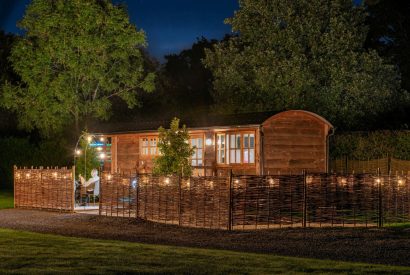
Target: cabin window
{"x":198,"y":155}
{"x":235,"y":148}
{"x":220,"y":148}
{"x":149,"y":146}
{"x":249,"y":148}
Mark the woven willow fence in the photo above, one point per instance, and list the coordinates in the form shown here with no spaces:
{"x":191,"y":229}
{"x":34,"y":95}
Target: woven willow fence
{"x":44,"y":188}
{"x":257,"y":202}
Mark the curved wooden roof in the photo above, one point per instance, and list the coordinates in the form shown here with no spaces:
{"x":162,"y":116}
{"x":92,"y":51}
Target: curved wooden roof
{"x":310,"y":114}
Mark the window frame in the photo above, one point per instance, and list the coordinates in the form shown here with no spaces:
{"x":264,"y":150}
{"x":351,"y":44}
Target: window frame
{"x":149,"y":147}
{"x":198,"y":136}
{"x":227,"y":134}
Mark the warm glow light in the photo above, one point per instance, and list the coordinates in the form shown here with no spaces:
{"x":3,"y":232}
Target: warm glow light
{"x":102,"y":156}
{"x":378,"y":180}
{"x":55,"y":175}
{"x":166,"y":180}
{"x":78,"y":152}
{"x":28,"y":175}
{"x":99,"y":148}
{"x":236,"y":181}
{"x":89,"y":138}
{"x":109,"y":177}
{"x":208,"y":141}
{"x":211,"y":184}
{"x":309,"y":179}
{"x":102,"y":139}
{"x":400,"y":182}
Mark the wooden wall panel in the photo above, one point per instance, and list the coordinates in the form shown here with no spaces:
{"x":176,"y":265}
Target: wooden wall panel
{"x":127,"y":153}
{"x":294,"y":141}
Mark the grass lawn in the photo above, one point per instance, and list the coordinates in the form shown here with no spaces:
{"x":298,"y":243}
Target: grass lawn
{"x":6,"y":199}
{"x":25,"y":252}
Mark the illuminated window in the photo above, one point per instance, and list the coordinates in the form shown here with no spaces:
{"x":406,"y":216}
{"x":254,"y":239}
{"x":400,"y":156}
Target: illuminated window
{"x":149,"y":146}
{"x":220,"y":148}
{"x":248,"y":148}
{"x":235,"y":148}
{"x":198,"y":155}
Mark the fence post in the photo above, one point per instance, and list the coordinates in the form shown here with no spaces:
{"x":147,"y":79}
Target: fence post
{"x":137,"y":193}
{"x":179,"y":200}
{"x":14,"y":185}
{"x":304,"y":200}
{"x":380,"y":218}
{"x":230,"y":202}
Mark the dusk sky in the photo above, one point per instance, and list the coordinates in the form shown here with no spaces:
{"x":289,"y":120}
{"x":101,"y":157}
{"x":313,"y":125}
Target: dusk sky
{"x":170,"y":25}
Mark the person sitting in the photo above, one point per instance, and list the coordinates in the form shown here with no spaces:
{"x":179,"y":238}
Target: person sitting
{"x":92,"y":185}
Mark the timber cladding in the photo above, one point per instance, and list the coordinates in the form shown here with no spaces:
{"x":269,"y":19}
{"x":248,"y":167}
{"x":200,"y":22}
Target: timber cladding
{"x":294,"y":141}
{"x":44,"y":188}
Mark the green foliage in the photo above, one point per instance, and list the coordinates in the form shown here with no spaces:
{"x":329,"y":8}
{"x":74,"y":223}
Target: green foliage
{"x":74,"y":57}
{"x":6,"y":199}
{"x":303,"y":55}
{"x":371,"y":145}
{"x":175,"y":151}
{"x":23,"y":152}
{"x":87,"y":160}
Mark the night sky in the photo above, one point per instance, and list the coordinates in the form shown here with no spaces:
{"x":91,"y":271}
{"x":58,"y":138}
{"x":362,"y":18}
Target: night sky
{"x":170,"y":25}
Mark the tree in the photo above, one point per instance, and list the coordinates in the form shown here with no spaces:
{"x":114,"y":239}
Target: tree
{"x":74,"y":57}
{"x":175,"y":151}
{"x":303,"y":55}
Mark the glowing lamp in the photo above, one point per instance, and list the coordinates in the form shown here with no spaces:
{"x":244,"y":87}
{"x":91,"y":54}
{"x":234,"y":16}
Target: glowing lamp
{"x":89,"y":138}
{"x":78,"y":152}
{"x":102,"y":139}
{"x":208,"y":141}
{"x":102,"y":156}
{"x":166,"y":180}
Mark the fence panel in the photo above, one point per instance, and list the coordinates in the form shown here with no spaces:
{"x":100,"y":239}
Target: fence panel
{"x":118,"y":195}
{"x":39,"y":188}
{"x":257,"y":202}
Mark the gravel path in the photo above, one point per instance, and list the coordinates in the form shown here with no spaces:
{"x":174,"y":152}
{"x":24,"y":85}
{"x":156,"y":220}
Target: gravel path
{"x":383,"y":246}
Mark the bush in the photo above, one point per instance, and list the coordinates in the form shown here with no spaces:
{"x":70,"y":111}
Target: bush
{"x":23,"y":152}
{"x":371,"y":145}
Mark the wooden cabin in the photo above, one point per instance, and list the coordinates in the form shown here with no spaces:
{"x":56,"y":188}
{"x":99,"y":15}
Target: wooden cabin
{"x":253,"y":144}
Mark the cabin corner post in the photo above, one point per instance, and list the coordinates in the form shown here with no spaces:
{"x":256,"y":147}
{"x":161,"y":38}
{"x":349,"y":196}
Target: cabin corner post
{"x":261,"y":152}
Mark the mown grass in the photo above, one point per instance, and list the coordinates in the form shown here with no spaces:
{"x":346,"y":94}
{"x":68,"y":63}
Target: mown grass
{"x":6,"y":199}
{"x":28,"y":253}
{"x":399,"y":225}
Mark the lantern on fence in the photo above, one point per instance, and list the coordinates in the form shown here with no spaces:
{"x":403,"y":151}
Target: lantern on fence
{"x":109,"y":177}
{"x":166,"y":181}
{"x":27,"y":175}
{"x":400,"y":182}
{"x":211,"y":184}
{"x":55,"y":175}
{"x":273,"y":182}
{"x":188,"y":183}
{"x":378,"y":181}
{"x":342,"y":181}
{"x":18,"y":176}
{"x":309,"y":179}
